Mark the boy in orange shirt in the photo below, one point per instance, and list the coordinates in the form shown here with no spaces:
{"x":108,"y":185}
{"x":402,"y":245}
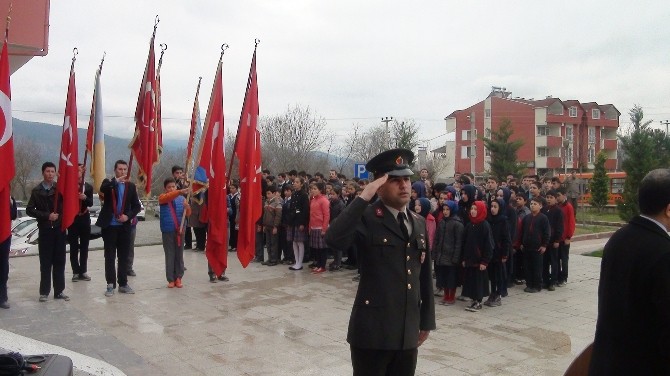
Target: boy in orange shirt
{"x":172,"y":208}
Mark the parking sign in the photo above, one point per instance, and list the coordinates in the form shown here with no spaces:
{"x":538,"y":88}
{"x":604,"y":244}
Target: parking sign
{"x":360,"y":171}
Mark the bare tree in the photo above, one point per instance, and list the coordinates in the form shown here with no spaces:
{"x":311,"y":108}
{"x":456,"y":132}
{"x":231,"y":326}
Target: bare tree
{"x":289,"y":139}
{"x":164,"y":169}
{"x":27,"y":157}
{"x":366,"y":144}
{"x":344,"y":152}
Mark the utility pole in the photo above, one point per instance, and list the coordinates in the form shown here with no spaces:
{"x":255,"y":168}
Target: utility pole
{"x":386,"y":120}
{"x":665,"y":122}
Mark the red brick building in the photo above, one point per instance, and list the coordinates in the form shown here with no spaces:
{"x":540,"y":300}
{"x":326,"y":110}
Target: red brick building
{"x":557,"y":134}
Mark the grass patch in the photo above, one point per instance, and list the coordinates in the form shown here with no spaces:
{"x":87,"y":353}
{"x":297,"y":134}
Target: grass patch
{"x":593,"y":215}
{"x":592,"y":229}
{"x":596,"y":253}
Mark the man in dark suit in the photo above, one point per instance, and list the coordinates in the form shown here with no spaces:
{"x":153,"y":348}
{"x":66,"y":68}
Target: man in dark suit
{"x":79,"y":233}
{"x":121,"y":204}
{"x":46,"y":205}
{"x":393,"y":311}
{"x":633,"y":329}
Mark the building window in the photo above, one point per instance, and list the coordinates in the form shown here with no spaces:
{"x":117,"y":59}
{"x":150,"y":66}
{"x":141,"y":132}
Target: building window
{"x":466,"y":152}
{"x":542,"y":131}
{"x":592,"y":154}
{"x":487,"y":113}
{"x":487,"y":133}
{"x":592,"y":135}
{"x":569,"y":134}
{"x":568,"y":155}
{"x":465,"y":135}
{"x":487,"y":152}
{"x":542,"y":152}
{"x":595,"y":113}
{"x":572,"y":111}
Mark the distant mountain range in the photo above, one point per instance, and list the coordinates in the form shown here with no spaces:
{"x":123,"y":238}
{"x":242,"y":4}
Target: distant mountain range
{"x":48,"y":137}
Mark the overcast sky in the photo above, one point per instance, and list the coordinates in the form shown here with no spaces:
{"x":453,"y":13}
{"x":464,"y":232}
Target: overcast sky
{"x":352,"y":61}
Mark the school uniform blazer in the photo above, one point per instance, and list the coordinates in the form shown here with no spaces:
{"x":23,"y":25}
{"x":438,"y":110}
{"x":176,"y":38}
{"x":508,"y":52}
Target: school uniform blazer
{"x":395,"y":294}
{"x":131,"y":208}
{"x":633,"y":328}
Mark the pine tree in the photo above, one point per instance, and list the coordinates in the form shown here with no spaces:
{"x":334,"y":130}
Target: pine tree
{"x":503,"y":151}
{"x":641,"y":155}
{"x":600,"y":183}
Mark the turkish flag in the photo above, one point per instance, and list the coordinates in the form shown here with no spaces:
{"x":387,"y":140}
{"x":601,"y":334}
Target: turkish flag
{"x":6,"y":145}
{"x":248,"y":151}
{"x":68,"y":164}
{"x":212,"y":164}
{"x":144,"y":144}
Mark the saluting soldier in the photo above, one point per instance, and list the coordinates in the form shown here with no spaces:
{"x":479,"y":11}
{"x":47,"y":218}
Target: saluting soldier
{"x":393,"y":311}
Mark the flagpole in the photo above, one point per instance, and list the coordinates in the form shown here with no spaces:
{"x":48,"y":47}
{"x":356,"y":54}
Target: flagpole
{"x":75,"y":52}
{"x":189,"y":155}
{"x":237,"y":139}
{"x":83,"y":175}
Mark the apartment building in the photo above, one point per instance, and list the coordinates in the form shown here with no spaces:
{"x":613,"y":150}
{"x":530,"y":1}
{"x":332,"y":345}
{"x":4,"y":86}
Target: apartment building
{"x":558,"y":134}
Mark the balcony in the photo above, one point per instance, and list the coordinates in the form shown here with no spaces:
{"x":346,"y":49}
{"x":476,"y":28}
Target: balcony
{"x":548,"y":162}
{"x":608,"y":144}
{"x":549,"y":141}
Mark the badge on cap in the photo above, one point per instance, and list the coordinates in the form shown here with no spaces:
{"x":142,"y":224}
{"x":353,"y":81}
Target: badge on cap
{"x":399,"y":161}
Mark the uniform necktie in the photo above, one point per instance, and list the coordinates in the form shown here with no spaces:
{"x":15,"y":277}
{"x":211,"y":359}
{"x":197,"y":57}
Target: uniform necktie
{"x":403,"y":227}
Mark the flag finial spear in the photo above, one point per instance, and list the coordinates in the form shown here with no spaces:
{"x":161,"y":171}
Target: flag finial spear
{"x":163,"y":47}
{"x":75,"y":52}
{"x":256,"y":42}
{"x":156,"y":21}
{"x":224,"y":47}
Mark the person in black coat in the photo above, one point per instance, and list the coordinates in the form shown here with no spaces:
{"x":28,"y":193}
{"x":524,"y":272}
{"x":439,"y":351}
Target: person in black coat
{"x":393,"y":311}
{"x":46,"y":205}
{"x":550,"y":260}
{"x":535,"y":231}
{"x":502,"y":244}
{"x":298,"y":219}
{"x":121,"y":204}
{"x":633,"y":330}
{"x":79,"y":233}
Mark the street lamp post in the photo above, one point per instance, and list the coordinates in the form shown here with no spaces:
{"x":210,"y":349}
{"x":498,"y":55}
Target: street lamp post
{"x":665,"y":122}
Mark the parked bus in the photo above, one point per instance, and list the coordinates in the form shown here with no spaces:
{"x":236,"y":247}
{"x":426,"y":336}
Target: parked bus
{"x":616,"y":182}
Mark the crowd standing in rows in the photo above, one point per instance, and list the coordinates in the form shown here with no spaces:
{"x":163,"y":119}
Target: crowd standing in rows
{"x":484,"y":238}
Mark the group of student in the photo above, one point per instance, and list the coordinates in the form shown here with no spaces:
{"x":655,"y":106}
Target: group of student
{"x":485,"y":238}
{"x":491,"y":237}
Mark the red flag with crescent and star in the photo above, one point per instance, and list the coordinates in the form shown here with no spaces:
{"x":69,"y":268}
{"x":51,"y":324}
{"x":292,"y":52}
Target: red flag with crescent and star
{"x":68,"y":164}
{"x":248,"y":150}
{"x":144,"y":145}
{"x":211,"y":166}
{"x":6,"y":145}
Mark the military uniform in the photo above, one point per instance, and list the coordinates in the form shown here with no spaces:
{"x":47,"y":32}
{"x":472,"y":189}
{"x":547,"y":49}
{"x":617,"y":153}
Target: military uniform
{"x":395,"y":294}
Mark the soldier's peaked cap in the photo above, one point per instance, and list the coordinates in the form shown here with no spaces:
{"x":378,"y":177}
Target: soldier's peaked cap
{"x":393,"y":162}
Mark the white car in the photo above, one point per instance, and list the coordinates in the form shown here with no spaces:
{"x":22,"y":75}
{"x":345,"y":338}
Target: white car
{"x":20,"y":223}
{"x":25,"y":241}
{"x":141,"y":214}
